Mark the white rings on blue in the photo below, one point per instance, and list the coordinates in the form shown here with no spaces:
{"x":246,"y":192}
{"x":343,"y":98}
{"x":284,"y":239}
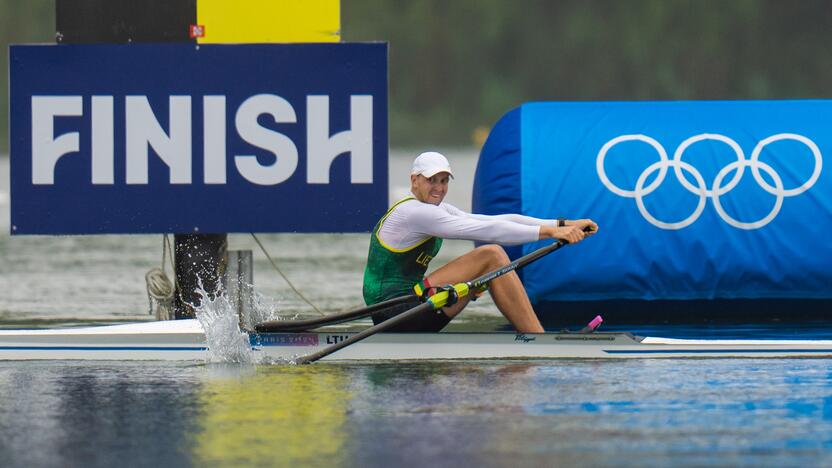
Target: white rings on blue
{"x":716,"y":189}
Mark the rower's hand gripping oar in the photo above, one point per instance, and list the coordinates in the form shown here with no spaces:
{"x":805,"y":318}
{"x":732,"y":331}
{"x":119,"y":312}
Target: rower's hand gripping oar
{"x":446,"y":296}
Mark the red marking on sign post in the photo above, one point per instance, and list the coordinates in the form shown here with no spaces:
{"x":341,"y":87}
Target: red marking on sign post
{"x":197,"y":30}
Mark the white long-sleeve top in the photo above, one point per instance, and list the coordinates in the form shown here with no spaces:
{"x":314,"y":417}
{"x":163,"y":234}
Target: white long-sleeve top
{"x":412,"y":221}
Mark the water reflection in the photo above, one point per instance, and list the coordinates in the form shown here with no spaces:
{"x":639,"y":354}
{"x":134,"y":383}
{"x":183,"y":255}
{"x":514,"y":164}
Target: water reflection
{"x":730,"y":412}
{"x":54,"y":414}
{"x":267,"y":415}
{"x":434,"y":387}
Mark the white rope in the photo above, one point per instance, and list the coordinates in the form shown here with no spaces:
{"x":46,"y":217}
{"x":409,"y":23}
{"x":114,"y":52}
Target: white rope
{"x":160,"y":289}
{"x":284,"y":276}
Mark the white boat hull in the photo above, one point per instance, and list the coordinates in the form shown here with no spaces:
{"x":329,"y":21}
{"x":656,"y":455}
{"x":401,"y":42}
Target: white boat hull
{"x":184,"y":340}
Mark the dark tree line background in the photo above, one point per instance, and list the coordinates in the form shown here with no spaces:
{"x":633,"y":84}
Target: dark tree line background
{"x":458,"y":65}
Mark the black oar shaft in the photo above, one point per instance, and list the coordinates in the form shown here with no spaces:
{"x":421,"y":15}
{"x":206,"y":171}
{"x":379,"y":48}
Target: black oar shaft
{"x":519,"y":263}
{"x":364,"y":334}
{"x":355,"y":314}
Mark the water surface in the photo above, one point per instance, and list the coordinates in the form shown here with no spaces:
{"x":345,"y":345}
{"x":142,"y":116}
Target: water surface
{"x":714,"y":412}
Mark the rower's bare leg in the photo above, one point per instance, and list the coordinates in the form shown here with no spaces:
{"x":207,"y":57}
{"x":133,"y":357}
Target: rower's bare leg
{"x":507,"y":290}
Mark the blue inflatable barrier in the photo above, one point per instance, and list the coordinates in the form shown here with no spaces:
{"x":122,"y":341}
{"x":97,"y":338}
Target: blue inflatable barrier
{"x":695,"y":200}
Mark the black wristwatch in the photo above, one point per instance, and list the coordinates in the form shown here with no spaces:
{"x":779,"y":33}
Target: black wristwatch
{"x":561,"y":222}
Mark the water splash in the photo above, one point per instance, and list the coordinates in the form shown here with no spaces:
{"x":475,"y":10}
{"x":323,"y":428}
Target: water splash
{"x":260,"y":309}
{"x":263,"y":309}
{"x":221,"y":323}
{"x":227,"y":341}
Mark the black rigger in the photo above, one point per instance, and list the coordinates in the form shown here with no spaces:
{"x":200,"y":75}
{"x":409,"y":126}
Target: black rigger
{"x":308,"y":324}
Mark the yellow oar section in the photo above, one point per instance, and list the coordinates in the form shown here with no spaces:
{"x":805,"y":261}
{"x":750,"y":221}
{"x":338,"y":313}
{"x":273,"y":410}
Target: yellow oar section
{"x":440,"y":299}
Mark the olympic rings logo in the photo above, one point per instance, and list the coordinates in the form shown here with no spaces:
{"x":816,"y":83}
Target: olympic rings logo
{"x":717,"y":189}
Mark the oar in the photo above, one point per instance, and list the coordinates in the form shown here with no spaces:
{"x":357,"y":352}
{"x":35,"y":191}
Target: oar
{"x":355,"y":314}
{"x":435,"y":302}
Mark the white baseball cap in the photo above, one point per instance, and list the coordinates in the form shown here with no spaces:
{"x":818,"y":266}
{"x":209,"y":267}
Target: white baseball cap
{"x":431,"y":163}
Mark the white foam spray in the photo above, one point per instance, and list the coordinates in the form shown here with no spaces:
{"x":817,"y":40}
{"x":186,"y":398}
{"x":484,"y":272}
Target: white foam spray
{"x":220,"y":320}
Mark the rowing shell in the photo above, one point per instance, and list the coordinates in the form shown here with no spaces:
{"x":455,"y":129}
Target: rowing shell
{"x":184,"y":340}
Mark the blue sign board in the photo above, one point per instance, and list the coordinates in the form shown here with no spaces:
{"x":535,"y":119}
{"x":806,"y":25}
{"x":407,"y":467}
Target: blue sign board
{"x":695,"y":200}
{"x":198,"y":138}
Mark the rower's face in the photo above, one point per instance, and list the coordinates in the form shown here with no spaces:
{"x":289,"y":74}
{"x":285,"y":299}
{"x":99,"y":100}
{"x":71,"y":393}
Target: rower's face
{"x":430,"y":189}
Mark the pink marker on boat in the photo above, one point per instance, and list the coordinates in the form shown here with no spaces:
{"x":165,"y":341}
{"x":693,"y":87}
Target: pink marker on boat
{"x":593,"y":325}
